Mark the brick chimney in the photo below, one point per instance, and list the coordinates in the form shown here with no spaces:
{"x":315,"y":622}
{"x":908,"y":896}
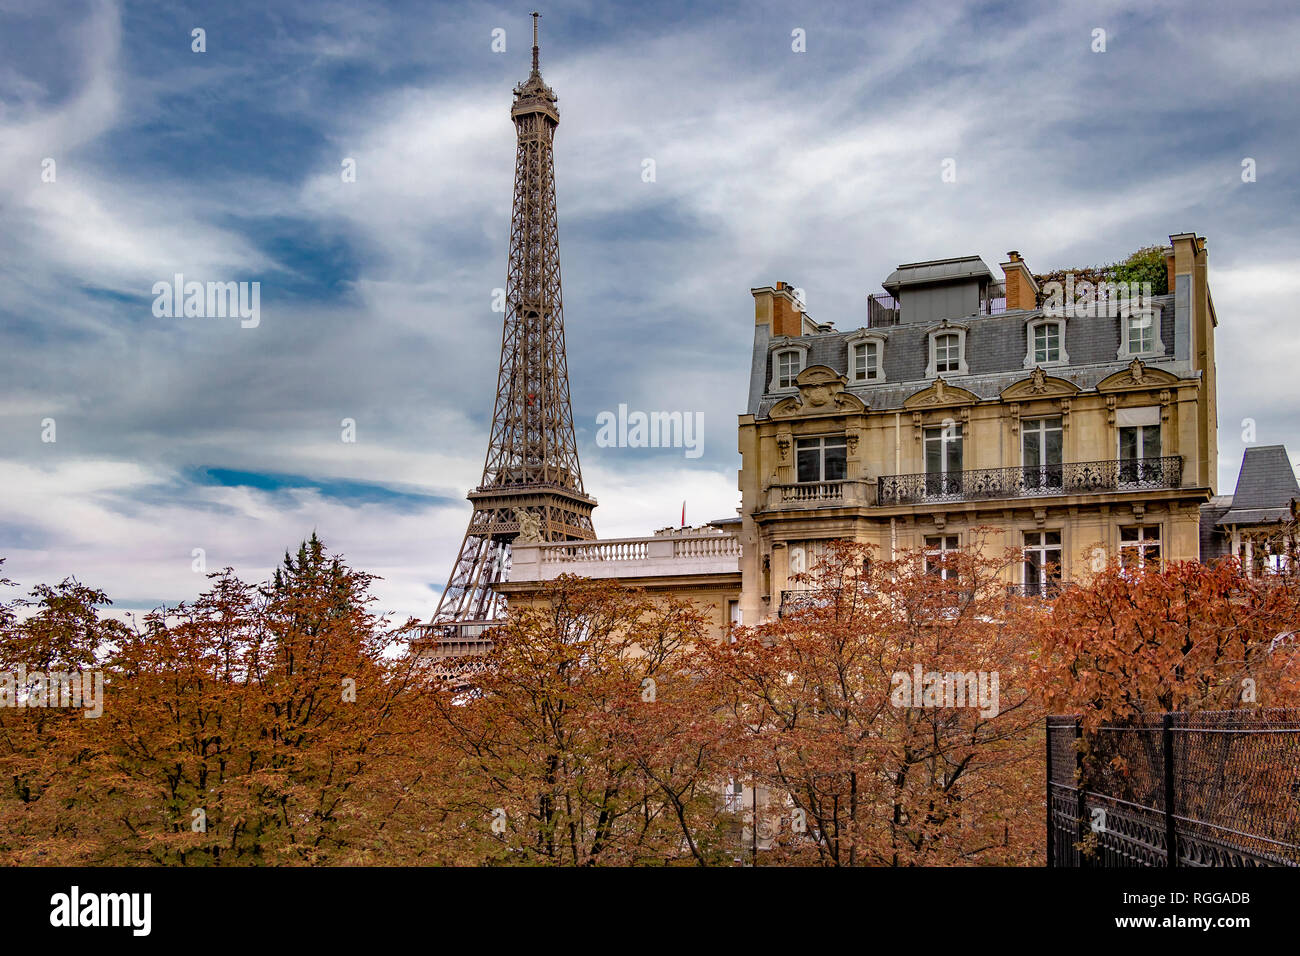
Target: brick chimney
{"x":778,"y":308}
{"x":1022,"y":289}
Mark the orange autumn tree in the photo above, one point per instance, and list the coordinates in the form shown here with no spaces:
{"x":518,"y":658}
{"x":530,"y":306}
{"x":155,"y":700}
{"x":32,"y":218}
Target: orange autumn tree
{"x":1132,"y":643}
{"x":589,"y":740}
{"x":1135,"y":644}
{"x":58,"y":629}
{"x":891,"y":714}
{"x":252,"y":726}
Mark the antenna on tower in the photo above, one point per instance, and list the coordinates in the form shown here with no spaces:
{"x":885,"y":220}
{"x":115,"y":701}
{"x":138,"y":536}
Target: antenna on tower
{"x":536,"y":16}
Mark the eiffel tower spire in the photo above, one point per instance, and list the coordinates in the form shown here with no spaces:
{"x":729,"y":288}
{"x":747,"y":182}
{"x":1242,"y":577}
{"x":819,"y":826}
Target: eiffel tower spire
{"x":532,"y":483}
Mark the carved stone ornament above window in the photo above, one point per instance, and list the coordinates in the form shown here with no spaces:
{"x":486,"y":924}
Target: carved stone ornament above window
{"x":940,"y":393}
{"x":821,"y":392}
{"x":1137,"y":375}
{"x":1039,"y":385}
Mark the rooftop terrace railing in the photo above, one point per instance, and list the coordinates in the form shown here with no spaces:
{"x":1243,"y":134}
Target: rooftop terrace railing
{"x":885,"y":310}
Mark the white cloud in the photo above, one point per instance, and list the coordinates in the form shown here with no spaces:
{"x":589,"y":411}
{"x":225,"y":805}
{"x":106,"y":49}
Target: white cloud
{"x":821,"y":169}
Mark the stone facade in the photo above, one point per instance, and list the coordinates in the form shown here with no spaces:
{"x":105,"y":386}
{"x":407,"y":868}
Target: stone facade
{"x":1069,"y":433}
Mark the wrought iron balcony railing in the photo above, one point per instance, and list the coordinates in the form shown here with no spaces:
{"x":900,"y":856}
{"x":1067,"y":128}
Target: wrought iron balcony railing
{"x":800,"y":599}
{"x":1047,"y":590}
{"x":1070,"y":478}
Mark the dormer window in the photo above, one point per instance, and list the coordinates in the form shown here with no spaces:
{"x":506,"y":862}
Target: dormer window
{"x":1139,"y":333}
{"x":866,"y":360}
{"x":787,"y":363}
{"x":947,"y":351}
{"x":1045,"y":343}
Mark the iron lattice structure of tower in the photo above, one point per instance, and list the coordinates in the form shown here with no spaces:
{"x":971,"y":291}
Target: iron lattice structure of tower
{"x":532,"y":483}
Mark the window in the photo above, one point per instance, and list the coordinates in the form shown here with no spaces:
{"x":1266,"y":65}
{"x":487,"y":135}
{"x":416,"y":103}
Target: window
{"x":947,"y":353}
{"x":1045,"y":343}
{"x":1140,"y":333}
{"x":1040,"y":453}
{"x":806,"y":555}
{"x":1139,"y":547}
{"x":1042,"y":563}
{"x":1139,"y":445}
{"x":937,"y":548}
{"x":821,"y":459}
{"x":733,"y":796}
{"x":866,"y":357}
{"x":864,"y":365}
{"x":788,"y":365}
{"x":943,"y":452}
{"x":734,"y":619}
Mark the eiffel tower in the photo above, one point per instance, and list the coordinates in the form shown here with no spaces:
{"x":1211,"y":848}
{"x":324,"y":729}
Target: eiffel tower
{"x":532,"y":483}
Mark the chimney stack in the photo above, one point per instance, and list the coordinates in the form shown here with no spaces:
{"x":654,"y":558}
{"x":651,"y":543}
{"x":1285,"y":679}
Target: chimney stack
{"x":1022,"y":288}
{"x":779,"y":309}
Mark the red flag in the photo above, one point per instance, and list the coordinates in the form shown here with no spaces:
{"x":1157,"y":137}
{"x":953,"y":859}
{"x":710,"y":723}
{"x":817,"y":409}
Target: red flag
{"x":683,"y":514}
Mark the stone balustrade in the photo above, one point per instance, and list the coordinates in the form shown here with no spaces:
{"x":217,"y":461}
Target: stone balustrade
{"x":654,"y":556}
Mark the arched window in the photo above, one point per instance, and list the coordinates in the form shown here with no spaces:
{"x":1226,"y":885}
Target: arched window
{"x":787,"y":362}
{"x":1045,"y":343}
{"x":947,"y":351}
{"x":866,"y":359}
{"x":1139,"y":333}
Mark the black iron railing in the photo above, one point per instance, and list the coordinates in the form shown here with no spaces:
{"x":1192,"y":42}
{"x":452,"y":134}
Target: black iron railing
{"x":882,"y":310}
{"x":1047,"y":590}
{"x":1213,"y":788}
{"x":794,"y":600}
{"x":1070,"y":478}
{"x":799,"y":599}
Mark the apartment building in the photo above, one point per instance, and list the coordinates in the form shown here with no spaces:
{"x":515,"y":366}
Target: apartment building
{"x":1080,"y":423}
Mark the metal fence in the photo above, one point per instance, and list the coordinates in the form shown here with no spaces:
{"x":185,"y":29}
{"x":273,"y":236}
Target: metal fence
{"x":1221,"y":788}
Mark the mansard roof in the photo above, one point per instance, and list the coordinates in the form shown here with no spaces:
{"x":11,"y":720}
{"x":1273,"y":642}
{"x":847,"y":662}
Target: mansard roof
{"x":1265,"y":486}
{"x":995,"y":355}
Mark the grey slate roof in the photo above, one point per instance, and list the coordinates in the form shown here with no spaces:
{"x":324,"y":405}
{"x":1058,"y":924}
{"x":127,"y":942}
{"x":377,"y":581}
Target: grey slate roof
{"x":1265,"y":486}
{"x":1214,"y":543}
{"x":937,"y":270}
{"x":995,"y":354}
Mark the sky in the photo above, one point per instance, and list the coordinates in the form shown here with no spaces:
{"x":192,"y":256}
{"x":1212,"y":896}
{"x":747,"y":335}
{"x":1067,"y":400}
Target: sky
{"x":802,"y":142}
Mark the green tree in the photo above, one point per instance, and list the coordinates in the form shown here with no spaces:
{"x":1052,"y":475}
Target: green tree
{"x":1145,"y":265}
